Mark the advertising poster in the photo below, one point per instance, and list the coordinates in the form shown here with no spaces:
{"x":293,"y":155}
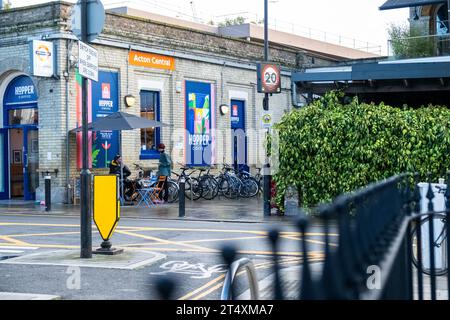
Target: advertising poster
{"x":199,"y":108}
{"x":104,"y":100}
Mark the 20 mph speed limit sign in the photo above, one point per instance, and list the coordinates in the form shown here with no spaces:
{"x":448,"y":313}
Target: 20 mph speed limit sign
{"x":269,"y":79}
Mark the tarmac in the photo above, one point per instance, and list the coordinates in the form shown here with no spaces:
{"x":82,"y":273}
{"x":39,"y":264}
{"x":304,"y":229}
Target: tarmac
{"x":219,"y":210}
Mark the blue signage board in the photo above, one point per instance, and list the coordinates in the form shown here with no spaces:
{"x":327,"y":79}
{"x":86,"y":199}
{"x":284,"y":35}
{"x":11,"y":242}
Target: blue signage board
{"x":199,"y":139}
{"x":21,"y":91}
{"x":105,"y":100}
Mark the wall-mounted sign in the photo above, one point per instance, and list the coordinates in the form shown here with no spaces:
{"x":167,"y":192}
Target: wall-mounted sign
{"x":200,"y":106}
{"x":150,"y":60}
{"x":42,"y":58}
{"x":87,"y":61}
{"x":268,"y":78}
{"x":20,"y":91}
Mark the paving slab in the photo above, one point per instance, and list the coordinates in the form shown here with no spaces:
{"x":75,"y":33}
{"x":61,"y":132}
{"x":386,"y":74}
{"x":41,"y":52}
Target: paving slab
{"x":130,"y":259}
{"x":26,"y":296}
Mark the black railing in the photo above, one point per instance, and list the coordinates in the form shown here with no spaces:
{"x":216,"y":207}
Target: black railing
{"x":381,"y":246}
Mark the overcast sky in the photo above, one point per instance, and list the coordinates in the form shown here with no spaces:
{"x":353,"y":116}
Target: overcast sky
{"x":328,"y":20}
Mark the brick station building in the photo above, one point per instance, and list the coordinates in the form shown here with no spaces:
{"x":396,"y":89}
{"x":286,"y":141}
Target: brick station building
{"x":178,"y":72}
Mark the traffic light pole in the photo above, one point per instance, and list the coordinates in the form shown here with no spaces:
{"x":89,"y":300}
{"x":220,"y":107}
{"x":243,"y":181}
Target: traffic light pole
{"x":85,"y":175}
{"x":266,"y":170}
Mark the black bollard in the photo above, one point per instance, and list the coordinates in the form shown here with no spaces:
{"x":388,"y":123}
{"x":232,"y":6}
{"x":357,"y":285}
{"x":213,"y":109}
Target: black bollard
{"x":274,"y":237}
{"x":229,"y":255}
{"x":165,"y":287}
{"x":181,"y":197}
{"x":48,"y":193}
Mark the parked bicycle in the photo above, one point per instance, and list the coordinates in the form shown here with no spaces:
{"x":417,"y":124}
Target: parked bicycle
{"x":439,"y":242}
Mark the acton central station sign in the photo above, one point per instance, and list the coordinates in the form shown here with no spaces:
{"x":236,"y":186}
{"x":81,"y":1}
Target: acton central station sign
{"x":150,"y":60}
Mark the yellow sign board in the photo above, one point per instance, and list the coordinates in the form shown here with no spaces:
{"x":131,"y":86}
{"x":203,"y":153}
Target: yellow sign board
{"x":106,"y":208}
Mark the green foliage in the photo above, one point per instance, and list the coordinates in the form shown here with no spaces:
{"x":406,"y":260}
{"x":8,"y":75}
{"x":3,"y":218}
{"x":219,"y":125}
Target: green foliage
{"x":232,"y":22}
{"x":410,"y":42}
{"x":328,"y":148}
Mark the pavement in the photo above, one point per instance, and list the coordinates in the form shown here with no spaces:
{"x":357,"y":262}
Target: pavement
{"x":221,"y":210}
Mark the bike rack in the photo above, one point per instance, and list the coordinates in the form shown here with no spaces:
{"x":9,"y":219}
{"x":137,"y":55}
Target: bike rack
{"x":231,"y":276}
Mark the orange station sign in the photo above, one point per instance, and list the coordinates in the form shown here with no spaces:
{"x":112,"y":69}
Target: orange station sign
{"x":151,"y":60}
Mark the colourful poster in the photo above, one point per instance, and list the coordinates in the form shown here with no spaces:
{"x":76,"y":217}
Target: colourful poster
{"x":199,"y":141}
{"x":103,"y":100}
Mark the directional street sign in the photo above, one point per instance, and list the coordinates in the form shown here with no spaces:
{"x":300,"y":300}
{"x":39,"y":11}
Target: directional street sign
{"x":106,"y":209}
{"x":87,"y":61}
{"x":95,"y":19}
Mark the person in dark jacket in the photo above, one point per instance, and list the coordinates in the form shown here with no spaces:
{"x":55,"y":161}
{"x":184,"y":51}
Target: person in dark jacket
{"x":164,"y":168}
{"x":114,"y":168}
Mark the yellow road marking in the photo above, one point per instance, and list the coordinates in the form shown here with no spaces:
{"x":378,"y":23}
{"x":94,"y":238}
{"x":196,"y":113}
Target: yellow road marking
{"x":163,"y":241}
{"x":44,"y":234}
{"x":310,"y":240}
{"x":14,"y":241}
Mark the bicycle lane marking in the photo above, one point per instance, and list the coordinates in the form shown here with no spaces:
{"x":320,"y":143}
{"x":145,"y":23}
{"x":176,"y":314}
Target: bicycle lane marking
{"x":263,"y":265}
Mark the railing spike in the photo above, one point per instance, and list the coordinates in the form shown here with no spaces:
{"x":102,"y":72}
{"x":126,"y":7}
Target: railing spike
{"x":430,"y":194}
{"x":307,"y":290}
{"x":274,"y":237}
{"x":229,"y":256}
{"x":165,"y":287}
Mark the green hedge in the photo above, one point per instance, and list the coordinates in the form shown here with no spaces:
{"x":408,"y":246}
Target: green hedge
{"x":328,"y":148}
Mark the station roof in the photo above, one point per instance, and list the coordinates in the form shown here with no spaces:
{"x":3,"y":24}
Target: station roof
{"x":411,"y":81}
{"x":396,"y":4}
{"x":420,"y":68}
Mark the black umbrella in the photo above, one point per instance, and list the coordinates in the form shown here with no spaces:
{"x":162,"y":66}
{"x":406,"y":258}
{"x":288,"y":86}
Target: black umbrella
{"x":121,"y":121}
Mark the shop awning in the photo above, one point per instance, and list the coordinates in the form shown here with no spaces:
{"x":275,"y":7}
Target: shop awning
{"x":122,"y":121}
{"x":396,"y":4}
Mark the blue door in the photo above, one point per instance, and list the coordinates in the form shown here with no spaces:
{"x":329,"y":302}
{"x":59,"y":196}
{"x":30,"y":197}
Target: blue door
{"x":4,"y":164}
{"x":21,"y":156}
{"x":238,"y":135}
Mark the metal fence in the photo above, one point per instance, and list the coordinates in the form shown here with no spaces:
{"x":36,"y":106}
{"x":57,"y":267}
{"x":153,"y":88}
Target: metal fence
{"x":387,"y":248}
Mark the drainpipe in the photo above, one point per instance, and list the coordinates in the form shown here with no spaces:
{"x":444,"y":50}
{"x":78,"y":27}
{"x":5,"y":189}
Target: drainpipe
{"x":68,"y":49}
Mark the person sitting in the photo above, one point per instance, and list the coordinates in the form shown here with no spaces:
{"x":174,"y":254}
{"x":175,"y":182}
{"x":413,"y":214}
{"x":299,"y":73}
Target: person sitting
{"x":114,"y":168}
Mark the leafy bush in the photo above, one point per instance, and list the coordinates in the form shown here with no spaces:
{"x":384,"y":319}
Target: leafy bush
{"x":328,"y":148}
{"x":410,"y":42}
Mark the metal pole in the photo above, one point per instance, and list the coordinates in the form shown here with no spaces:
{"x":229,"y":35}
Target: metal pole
{"x":48,"y":193}
{"x":181,"y":199}
{"x":86,"y":215}
{"x":266,"y":169}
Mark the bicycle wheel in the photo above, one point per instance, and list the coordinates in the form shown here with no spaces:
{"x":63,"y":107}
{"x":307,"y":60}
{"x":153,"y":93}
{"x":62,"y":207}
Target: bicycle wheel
{"x":249,"y":187}
{"x":193,"y":189}
{"x":173,"y":191}
{"x":439,"y":245}
{"x":234,"y":187}
{"x":209,"y":187}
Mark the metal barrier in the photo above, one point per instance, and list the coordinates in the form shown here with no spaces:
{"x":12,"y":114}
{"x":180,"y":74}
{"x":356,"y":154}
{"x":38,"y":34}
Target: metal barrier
{"x":227,"y":292}
{"x":381,"y":250}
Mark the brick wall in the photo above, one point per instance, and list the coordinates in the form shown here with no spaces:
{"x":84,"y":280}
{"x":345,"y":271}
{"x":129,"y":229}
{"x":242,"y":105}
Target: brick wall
{"x":20,"y":25}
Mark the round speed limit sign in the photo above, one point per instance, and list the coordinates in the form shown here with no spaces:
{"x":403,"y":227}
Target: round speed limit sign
{"x":271,"y":78}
